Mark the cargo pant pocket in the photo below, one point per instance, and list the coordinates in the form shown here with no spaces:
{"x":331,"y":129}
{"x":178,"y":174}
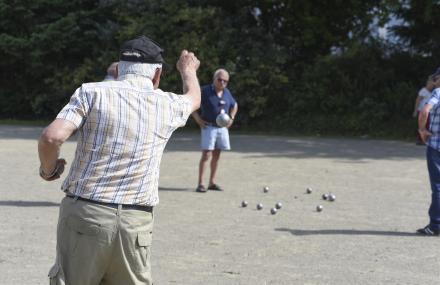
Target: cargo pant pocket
{"x":140,"y":254}
{"x":56,"y":275}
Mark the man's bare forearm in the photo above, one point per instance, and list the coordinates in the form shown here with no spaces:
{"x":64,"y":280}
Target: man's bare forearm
{"x":187,"y":66}
{"x":191,"y":88}
{"x":48,"y":151}
{"x":196,"y":115}
{"x":423,"y":117}
{"x":416,"y":104}
{"x":234,"y":111}
{"x":190,"y":81}
{"x":50,"y":142}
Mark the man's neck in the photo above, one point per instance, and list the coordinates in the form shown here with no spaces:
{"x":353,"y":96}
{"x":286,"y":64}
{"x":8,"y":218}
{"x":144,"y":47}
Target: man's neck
{"x":219,"y":92}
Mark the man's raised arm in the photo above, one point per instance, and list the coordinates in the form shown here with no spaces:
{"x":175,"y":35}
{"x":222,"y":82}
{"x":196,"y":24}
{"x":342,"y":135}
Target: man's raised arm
{"x":187,"y":66}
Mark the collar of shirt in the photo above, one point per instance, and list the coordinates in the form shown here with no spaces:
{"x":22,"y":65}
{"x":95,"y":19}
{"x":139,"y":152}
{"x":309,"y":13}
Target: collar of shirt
{"x":137,"y":80}
{"x":109,"y":78}
{"x":214,"y":92}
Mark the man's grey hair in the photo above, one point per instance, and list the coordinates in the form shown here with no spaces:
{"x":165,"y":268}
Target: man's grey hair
{"x":218,"y":71}
{"x":137,"y":68}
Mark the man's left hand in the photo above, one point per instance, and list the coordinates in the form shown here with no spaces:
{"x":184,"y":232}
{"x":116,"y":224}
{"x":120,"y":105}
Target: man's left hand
{"x":56,"y":173}
{"x":231,"y":121}
{"x":424,"y":134}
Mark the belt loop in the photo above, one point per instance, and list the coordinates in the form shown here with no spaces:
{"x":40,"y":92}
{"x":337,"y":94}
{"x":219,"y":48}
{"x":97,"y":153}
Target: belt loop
{"x":119,"y":209}
{"x":76,"y":198}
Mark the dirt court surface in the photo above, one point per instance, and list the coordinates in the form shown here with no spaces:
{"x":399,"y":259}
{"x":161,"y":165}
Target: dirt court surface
{"x":365,"y":237}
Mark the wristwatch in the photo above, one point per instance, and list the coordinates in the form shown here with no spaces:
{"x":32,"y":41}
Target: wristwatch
{"x":56,"y":173}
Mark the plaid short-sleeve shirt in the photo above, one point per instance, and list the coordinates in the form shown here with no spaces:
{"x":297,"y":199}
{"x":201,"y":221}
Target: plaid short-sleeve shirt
{"x":123,"y":127}
{"x":434,"y":118}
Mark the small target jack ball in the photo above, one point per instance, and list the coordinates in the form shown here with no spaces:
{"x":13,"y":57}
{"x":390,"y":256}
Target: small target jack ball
{"x":259,"y":206}
{"x":266,"y":189}
{"x":319,"y":208}
{"x":309,"y":190}
{"x":332,"y":197}
{"x":278,"y":205}
{"x":273,"y":211}
{"x":244,"y":204}
{"x":325,"y":196}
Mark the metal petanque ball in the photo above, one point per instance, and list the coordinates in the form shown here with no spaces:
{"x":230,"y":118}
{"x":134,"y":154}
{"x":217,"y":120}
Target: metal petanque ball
{"x":259,"y":206}
{"x":278,"y":205}
{"x":244,"y":204}
{"x":319,"y":208}
{"x":273,"y":211}
{"x":325,"y":196}
{"x":309,"y":190}
{"x":266,"y":189}
{"x":222,"y":120}
{"x":332,"y":197}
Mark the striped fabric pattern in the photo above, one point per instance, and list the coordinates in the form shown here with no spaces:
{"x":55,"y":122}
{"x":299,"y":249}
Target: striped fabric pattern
{"x":123,"y":127}
{"x":434,"y":117}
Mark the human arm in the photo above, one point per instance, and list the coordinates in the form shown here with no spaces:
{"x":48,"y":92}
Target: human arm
{"x":232,"y":114}
{"x":187,"y":66}
{"x":49,"y":146}
{"x":416,"y":104}
{"x":198,"y":119}
{"x":423,"y":118}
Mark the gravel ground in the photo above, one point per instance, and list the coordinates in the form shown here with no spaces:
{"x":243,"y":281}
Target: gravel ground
{"x":365,"y":237}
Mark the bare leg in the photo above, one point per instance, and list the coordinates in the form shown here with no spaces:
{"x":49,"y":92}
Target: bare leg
{"x":214,"y":164}
{"x":206,"y":154}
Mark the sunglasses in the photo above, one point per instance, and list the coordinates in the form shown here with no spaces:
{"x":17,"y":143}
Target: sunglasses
{"x":222,"y":80}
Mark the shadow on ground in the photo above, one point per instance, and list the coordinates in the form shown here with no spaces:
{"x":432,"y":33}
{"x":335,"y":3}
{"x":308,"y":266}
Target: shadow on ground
{"x":174,"y":189}
{"x":298,"y":232}
{"x":29,"y":204}
{"x":258,"y":146}
{"x":343,"y":149}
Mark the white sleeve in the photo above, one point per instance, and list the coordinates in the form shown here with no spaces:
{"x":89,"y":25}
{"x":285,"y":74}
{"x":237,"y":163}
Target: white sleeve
{"x":76,"y":110}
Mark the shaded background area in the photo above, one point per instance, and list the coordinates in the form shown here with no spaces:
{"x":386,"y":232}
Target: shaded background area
{"x":305,"y":67}
{"x":255,"y":146}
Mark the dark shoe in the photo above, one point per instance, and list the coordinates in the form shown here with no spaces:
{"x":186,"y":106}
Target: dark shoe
{"x":427,"y":231}
{"x":201,"y":189}
{"x":215,"y":187}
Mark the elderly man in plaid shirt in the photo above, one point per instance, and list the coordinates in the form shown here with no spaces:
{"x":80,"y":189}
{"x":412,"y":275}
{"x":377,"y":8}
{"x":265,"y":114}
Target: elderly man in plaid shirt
{"x":432,"y":139}
{"x":106,"y":218}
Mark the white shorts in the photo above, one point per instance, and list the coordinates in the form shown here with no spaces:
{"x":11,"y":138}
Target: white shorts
{"x":215,"y":138}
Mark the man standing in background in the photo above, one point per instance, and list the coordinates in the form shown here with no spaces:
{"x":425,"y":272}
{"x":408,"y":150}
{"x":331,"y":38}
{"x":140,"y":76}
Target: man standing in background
{"x":431,"y":137}
{"x":216,"y":98}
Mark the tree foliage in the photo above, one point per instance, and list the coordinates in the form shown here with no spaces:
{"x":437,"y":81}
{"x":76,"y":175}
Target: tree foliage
{"x":304,"y":66}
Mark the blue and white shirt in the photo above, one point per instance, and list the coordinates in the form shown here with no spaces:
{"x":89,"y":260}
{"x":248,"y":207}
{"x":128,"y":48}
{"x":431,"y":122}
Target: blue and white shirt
{"x":123,"y":127}
{"x":434,"y":117}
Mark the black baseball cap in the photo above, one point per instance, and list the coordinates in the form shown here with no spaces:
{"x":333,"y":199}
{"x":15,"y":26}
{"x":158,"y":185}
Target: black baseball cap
{"x":141,"y":49}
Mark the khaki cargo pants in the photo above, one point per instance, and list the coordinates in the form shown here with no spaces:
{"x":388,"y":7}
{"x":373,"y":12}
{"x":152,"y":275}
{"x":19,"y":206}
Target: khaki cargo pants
{"x":97,"y":244}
